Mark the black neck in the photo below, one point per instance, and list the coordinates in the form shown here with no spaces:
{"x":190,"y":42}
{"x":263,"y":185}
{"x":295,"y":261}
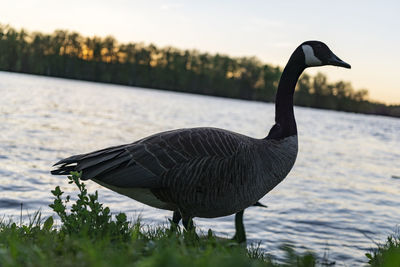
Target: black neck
{"x":285,"y":123}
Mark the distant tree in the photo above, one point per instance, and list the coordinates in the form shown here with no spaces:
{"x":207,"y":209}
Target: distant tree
{"x":70,"y":55}
{"x":271,"y":76}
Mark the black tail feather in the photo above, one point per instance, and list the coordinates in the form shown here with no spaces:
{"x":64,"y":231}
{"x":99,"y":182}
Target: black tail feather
{"x":102,"y":166}
{"x":92,"y":164}
{"x":63,"y":170}
{"x":69,"y":160}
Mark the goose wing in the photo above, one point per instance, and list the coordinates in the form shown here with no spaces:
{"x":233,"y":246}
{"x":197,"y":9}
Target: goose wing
{"x":143,"y":163}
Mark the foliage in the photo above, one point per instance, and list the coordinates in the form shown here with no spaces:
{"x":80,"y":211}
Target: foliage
{"x":70,"y":55}
{"x":387,"y":254}
{"x":88,"y":236}
{"x":87,"y":216}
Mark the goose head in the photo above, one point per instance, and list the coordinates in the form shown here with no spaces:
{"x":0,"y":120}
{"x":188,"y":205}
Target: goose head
{"x":317,"y":53}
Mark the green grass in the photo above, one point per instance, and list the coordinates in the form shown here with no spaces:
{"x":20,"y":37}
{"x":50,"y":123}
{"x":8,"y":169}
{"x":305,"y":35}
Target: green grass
{"x":87,"y":234}
{"x":388,"y":254}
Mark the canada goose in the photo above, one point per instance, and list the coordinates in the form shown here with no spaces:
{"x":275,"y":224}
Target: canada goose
{"x":206,"y":172}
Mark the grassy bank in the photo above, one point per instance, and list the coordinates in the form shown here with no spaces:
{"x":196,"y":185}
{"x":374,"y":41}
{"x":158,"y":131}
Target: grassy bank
{"x":87,"y":234}
{"x":387,"y":254}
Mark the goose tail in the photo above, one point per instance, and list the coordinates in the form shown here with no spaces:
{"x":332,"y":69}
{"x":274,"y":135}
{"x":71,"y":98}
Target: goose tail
{"x":94,"y":163}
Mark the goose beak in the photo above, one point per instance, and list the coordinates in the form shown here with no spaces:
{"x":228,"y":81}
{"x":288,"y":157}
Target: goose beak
{"x":335,"y":61}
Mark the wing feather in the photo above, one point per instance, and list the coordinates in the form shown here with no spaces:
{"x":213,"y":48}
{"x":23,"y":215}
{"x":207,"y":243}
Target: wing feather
{"x":143,"y":163}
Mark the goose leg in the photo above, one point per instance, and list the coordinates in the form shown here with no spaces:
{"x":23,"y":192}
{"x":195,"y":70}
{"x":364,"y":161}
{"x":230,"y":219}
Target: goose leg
{"x":187,"y":223}
{"x":176,"y":217}
{"x":190,"y":232}
{"x":240,"y":235}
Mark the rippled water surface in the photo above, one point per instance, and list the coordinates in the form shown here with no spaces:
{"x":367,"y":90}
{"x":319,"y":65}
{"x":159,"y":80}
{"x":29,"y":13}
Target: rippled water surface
{"x":341,"y":194}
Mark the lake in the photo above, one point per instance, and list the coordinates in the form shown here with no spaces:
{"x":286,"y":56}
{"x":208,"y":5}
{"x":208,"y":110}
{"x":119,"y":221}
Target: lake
{"x":341,"y":196}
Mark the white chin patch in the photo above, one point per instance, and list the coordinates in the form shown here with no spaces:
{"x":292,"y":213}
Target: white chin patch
{"x":311,"y":59}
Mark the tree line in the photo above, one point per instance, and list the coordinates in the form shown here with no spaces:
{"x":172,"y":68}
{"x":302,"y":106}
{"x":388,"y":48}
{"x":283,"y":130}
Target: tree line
{"x":71,"y":55}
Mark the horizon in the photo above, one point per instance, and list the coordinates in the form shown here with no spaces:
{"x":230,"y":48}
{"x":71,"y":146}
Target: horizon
{"x":181,"y":25}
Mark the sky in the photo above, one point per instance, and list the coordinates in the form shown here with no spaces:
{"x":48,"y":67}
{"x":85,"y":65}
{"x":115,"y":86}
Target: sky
{"x":366,"y":34}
